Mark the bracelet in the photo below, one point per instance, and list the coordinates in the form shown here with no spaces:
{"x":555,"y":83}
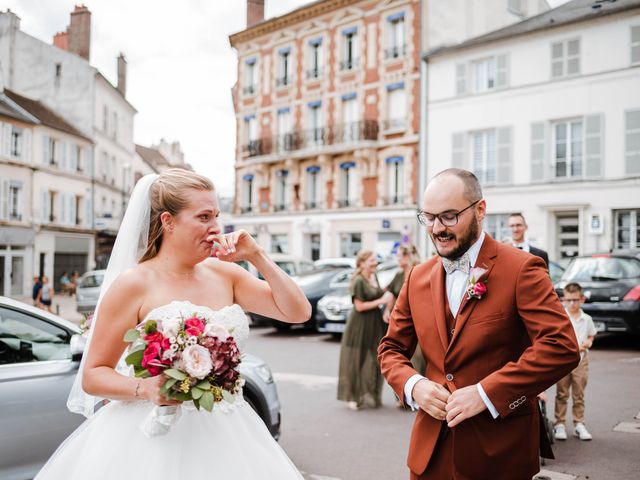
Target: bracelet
{"x":136,"y":393}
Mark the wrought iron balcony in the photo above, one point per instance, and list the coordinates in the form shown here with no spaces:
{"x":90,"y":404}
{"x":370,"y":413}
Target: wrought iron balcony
{"x":246,"y":209}
{"x":283,"y":81}
{"x":394,"y":199}
{"x":395,"y":124}
{"x":314,"y":72}
{"x":249,"y":90}
{"x":395,"y":51}
{"x":346,"y":202}
{"x":280,"y":207}
{"x":349,"y":64}
{"x":311,"y":205}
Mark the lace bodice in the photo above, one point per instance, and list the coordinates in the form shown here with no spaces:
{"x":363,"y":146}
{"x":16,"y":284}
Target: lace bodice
{"x":232,"y":317}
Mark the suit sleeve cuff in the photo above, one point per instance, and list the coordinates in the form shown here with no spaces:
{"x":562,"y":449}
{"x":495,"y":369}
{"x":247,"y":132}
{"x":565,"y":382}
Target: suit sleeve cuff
{"x":408,"y":389}
{"x":485,"y":399}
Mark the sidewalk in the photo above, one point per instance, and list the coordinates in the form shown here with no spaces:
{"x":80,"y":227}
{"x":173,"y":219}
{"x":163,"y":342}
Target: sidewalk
{"x":63,"y":306}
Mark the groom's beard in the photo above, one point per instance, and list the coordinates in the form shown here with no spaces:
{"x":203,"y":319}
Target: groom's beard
{"x":464,"y":241}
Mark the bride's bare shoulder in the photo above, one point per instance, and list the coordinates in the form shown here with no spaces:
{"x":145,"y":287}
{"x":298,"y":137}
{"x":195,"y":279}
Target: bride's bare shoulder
{"x":131,"y":282}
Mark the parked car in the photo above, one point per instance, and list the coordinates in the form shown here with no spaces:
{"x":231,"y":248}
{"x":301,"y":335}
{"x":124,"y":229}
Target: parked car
{"x":555,"y":271}
{"x":611,"y":283}
{"x":333,"y":309}
{"x":337,"y":262}
{"x":292,"y":265}
{"x":315,"y":284}
{"x":88,"y":291}
{"x":39,"y":358}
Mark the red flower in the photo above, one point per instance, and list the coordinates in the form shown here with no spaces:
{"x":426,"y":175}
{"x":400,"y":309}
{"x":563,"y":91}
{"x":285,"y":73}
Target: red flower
{"x":194,"y":326}
{"x":154,"y":337}
{"x":152,"y":352}
{"x":479,"y":289}
{"x":165,"y":344}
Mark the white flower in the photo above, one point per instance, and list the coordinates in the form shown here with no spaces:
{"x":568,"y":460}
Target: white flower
{"x":197,"y":361}
{"x":180,"y":340}
{"x":215,"y":330}
{"x":169,"y":327}
{"x":174,"y":347}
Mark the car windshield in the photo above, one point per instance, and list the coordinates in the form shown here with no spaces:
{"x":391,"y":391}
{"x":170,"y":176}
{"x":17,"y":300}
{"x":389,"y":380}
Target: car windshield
{"x":587,"y":269}
{"x":288,"y":267}
{"x":92,"y":281}
{"x":309,"y":278}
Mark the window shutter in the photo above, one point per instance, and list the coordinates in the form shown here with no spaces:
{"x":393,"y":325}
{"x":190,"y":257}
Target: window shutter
{"x":594,"y":145}
{"x":45,"y":200}
{"x":458,"y":150}
{"x":461,"y":79}
{"x":27,"y":138}
{"x":632,"y":142}
{"x":72,"y":209}
{"x":61,"y":208}
{"x":73,"y":157}
{"x":88,"y":215}
{"x":62,"y":156}
{"x":4,"y":200}
{"x":557,"y":59}
{"x":46,"y":152}
{"x":538,"y":151}
{"x":502,"y":71}
{"x":505,"y":163}
{"x":6,"y":139}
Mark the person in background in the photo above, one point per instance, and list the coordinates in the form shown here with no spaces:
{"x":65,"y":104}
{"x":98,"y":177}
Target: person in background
{"x":45,"y":295}
{"x":576,"y":381}
{"x":37,"y":285}
{"x":360,"y":380}
{"x":518,"y":227}
{"x":408,"y":257}
{"x":65,"y":284}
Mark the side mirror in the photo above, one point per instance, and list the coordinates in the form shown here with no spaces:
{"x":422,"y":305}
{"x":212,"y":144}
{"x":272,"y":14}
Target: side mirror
{"x":76,"y":346}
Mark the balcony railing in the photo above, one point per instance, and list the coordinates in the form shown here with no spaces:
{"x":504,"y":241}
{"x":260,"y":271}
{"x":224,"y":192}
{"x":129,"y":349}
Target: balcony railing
{"x":396,"y":51}
{"x":343,"y":133}
{"x":314,"y":72}
{"x":249,"y":90}
{"x":283,"y":81}
{"x":246,"y":209}
{"x":311,"y":205}
{"x":346,"y":202}
{"x":393,"y":200}
{"x":395,"y":124}
{"x":279,"y":207}
{"x":348,"y":64}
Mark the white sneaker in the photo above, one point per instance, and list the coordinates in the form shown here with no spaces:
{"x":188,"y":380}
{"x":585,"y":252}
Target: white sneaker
{"x":581,"y":432}
{"x":559,"y":432}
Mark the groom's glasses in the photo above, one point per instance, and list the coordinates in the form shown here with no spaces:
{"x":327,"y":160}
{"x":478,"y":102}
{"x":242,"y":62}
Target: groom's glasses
{"x":448,"y":219}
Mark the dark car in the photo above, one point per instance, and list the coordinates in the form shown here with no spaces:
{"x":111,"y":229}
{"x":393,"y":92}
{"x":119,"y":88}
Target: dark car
{"x":333,"y":309}
{"x":315,"y":284}
{"x":611,"y":283}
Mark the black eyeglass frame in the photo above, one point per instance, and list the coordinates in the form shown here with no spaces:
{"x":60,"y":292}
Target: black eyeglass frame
{"x":423,"y":221}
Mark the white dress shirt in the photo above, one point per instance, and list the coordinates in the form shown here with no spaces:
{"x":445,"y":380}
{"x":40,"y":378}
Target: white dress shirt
{"x":456,"y":286}
{"x":523,"y":246}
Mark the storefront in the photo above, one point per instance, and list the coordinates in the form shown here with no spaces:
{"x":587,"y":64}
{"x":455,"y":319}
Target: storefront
{"x":16,"y":254}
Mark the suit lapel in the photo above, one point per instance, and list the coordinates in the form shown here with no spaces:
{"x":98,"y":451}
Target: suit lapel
{"x":485,"y":260}
{"x":438,"y":296}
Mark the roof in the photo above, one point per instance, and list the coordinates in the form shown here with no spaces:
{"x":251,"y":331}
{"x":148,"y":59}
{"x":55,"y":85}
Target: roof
{"x":46,"y":116}
{"x":99,"y":74}
{"x":152,"y":157}
{"x":569,"y":13}
{"x":8,"y":108}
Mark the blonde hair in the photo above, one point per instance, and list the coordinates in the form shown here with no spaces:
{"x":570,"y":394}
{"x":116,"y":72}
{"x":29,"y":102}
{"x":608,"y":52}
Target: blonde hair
{"x":410,"y":251}
{"x":167,"y":194}
{"x":363,"y":256}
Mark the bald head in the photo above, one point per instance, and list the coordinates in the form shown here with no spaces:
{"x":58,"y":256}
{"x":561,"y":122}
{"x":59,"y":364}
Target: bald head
{"x":472,"y":191}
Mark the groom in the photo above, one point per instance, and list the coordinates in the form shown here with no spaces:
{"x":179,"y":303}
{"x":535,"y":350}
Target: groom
{"x":494,"y":335}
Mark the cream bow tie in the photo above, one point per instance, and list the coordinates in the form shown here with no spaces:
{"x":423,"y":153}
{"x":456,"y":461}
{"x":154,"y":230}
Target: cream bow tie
{"x":463,"y":264}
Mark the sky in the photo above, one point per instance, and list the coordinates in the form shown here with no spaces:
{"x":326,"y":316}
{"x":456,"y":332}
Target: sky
{"x":181,"y":67}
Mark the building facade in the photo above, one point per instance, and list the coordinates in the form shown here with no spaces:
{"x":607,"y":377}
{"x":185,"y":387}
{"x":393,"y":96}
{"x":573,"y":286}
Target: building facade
{"x":328,"y":121}
{"x":547,"y":114}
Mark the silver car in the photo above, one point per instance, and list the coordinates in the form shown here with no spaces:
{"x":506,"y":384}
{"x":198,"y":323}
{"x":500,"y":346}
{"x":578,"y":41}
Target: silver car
{"x":39,"y":358}
{"x":88,"y":291}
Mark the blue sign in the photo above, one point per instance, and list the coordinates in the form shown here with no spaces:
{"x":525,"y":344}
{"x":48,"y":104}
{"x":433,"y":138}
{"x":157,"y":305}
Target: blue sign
{"x":386,"y":223}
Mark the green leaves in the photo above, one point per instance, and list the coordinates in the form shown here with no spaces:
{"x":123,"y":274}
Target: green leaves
{"x":228,"y":397}
{"x":167,"y":385}
{"x":135,"y":356}
{"x":206,"y":401}
{"x":132,"y":335}
{"x":173,"y":373}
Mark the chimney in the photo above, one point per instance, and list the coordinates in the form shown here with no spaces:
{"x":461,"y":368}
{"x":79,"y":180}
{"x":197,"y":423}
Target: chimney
{"x":122,"y":74}
{"x":61,"y":40}
{"x":255,"y":12}
{"x":80,"y":32}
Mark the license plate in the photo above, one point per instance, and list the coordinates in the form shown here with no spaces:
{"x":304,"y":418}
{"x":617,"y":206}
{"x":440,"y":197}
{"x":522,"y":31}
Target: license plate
{"x":600,"y":326}
{"x":334,"y":327}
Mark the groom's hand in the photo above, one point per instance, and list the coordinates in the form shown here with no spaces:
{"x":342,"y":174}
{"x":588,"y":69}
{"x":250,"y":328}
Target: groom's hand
{"x":464,"y":403}
{"x":431,"y":397}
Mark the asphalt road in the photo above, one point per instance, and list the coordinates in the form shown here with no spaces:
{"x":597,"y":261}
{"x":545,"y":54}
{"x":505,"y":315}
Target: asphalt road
{"x":329,"y":442}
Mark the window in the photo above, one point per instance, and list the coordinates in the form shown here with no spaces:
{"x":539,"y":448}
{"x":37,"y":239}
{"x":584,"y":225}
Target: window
{"x":279,"y":243}
{"x":105,"y":119}
{"x":395,"y":174}
{"x":285,"y":139}
{"x":68,"y":209}
{"x":16,"y":142}
{"x":497,"y":226}
{"x":484,"y":72}
{"x":284,"y":67}
{"x":632,"y":142}
{"x":113,"y":171}
{"x":15,"y":201}
{"x":627,"y":229}
{"x":315,"y":134}
{"x":312,"y":187}
{"x":24,"y":338}
{"x":247,"y":193}
{"x":350,"y":244}
{"x":484,"y":162}
{"x":74,"y":153}
{"x":315,"y":58}
{"x":565,"y":58}
{"x":349,"y":51}
{"x":49,"y":151}
{"x":396,"y":37}
{"x":347,"y":185}
{"x":250,"y":77}
{"x":635,"y":45}
{"x":567,"y":149}
{"x":104,"y":166}
{"x":251,"y":135}
{"x":397,"y":115}
{"x":114,"y":132}
{"x":281,"y":190}
{"x":349,"y":117}
{"x":58,"y":71}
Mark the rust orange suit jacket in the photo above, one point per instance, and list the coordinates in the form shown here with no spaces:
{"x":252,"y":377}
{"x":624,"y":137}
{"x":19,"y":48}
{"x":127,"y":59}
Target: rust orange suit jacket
{"x":516,"y":341}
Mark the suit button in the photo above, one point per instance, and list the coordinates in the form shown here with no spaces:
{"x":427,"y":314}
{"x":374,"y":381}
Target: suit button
{"x":449,"y":377}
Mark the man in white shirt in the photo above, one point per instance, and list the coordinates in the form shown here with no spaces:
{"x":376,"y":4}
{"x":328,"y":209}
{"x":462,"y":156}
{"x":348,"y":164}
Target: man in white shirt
{"x":494,"y":335}
{"x":518,"y":226}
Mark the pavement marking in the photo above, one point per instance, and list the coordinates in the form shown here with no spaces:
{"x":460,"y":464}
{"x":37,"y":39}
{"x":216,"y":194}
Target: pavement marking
{"x":311,"y":382}
{"x":627,"y":427}
{"x":549,"y":475}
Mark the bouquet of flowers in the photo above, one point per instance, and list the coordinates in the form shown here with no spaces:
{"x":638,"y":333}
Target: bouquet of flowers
{"x":199,"y":358}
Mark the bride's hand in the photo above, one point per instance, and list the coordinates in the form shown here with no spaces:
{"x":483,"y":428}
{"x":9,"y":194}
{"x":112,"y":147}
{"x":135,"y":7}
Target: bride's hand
{"x":150,"y":390}
{"x":234,"y":246}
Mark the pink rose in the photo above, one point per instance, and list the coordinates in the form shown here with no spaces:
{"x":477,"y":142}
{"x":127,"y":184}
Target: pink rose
{"x":165,"y":344}
{"x":151,"y":353}
{"x":154,"y":337}
{"x":194,"y":324}
{"x":479,"y":289}
{"x":197,"y":361}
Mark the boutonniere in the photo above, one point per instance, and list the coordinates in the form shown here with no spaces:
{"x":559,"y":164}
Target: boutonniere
{"x":476,"y":289}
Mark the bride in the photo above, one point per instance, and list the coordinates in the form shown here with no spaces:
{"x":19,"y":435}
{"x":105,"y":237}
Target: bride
{"x":160,"y":267}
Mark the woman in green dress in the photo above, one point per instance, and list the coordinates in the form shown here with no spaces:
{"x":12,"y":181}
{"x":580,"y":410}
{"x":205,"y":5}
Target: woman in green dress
{"x":360,"y":380}
{"x":408,"y":257}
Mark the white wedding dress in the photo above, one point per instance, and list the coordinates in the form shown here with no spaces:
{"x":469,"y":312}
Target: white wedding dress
{"x":231,"y":442}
